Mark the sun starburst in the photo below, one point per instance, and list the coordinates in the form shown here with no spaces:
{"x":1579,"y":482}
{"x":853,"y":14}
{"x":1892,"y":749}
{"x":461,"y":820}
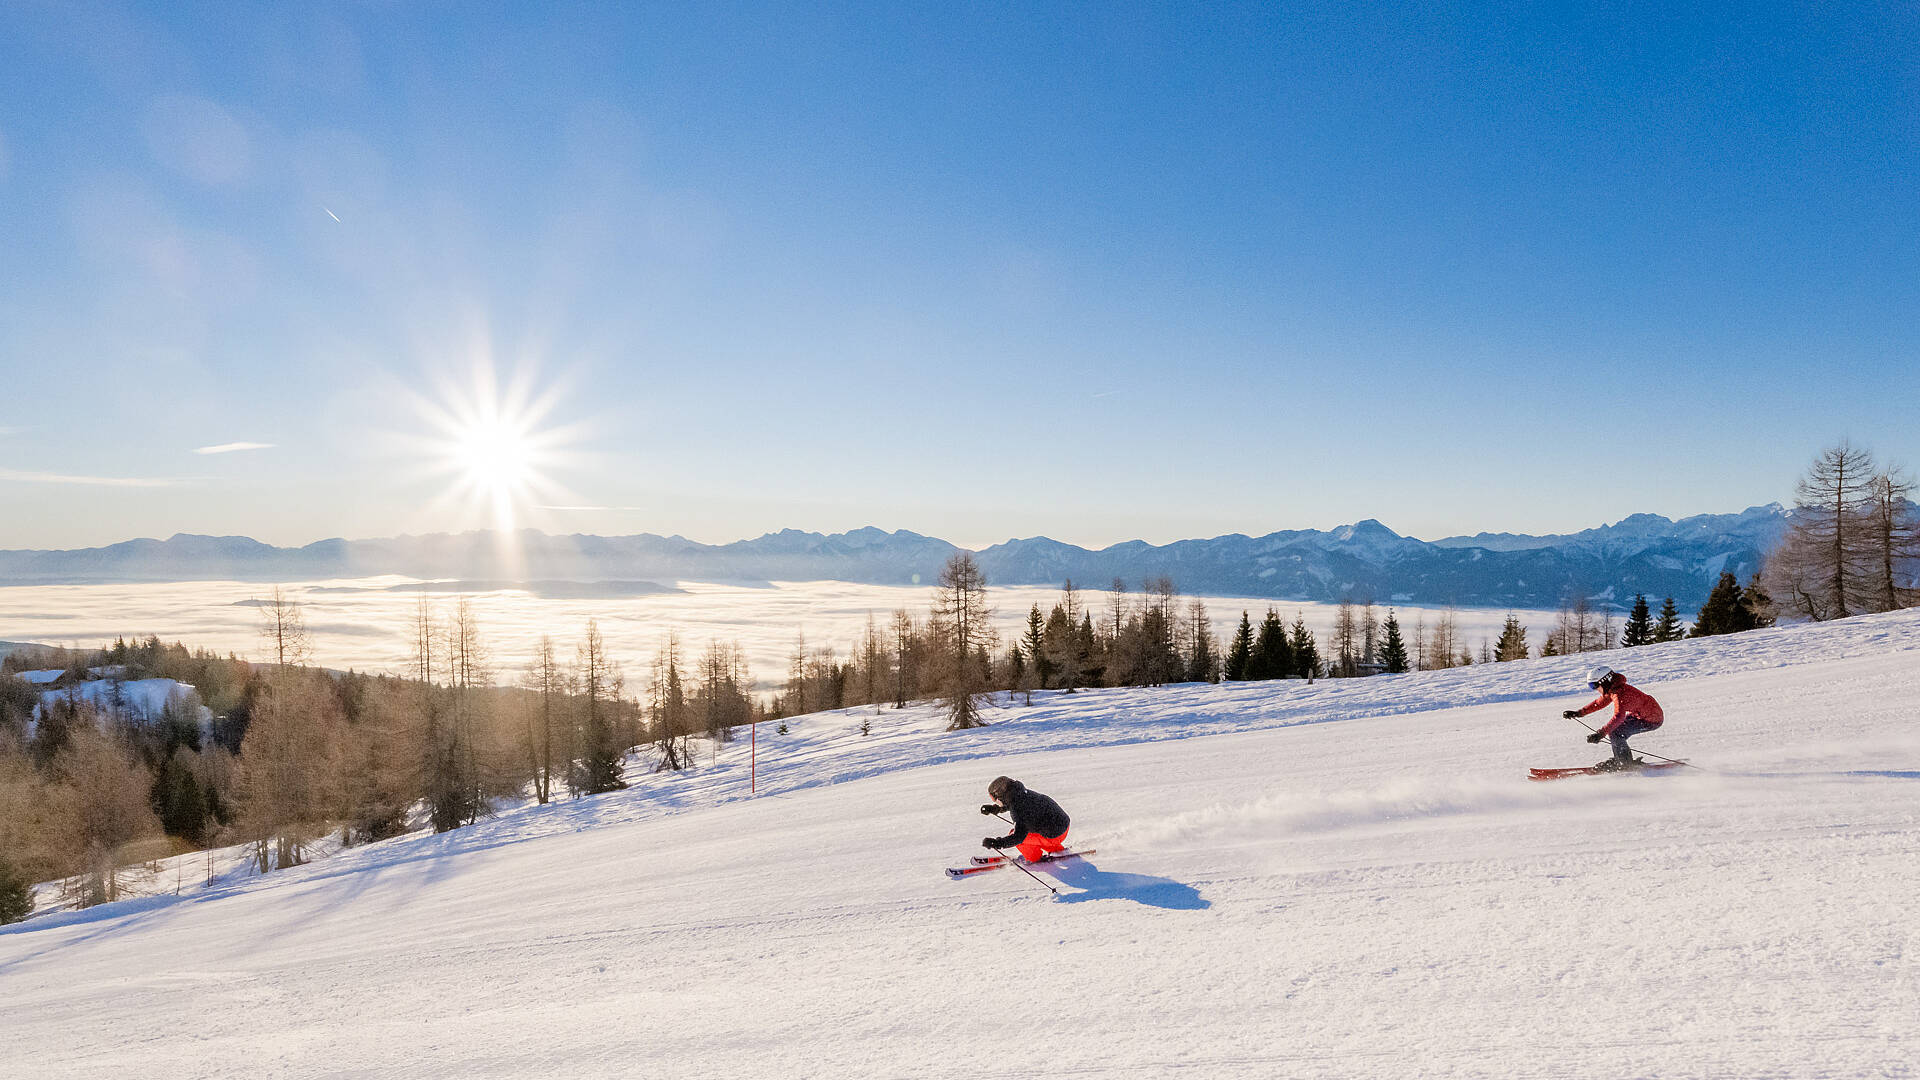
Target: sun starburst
{"x":493,"y":447}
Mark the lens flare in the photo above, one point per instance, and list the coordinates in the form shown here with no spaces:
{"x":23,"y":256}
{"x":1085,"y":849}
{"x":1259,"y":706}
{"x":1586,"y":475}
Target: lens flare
{"x":491,"y":448}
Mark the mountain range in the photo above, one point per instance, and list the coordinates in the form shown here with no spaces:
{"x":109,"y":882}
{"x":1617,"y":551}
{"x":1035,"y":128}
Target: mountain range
{"x":1645,"y":553}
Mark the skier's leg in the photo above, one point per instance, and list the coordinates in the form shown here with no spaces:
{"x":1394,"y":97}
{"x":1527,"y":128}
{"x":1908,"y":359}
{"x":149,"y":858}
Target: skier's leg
{"x":1035,"y":846}
{"x":1619,"y":741}
{"x":1628,"y":728}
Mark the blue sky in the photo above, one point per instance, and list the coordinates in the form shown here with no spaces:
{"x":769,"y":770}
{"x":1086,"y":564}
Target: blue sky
{"x":1099,"y":272}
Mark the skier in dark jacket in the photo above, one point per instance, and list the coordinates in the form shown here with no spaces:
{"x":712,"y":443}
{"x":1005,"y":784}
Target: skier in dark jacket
{"x":1039,"y":825}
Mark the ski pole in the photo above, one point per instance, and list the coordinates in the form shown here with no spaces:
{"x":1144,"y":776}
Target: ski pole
{"x":1015,"y":860}
{"x":1644,"y":753}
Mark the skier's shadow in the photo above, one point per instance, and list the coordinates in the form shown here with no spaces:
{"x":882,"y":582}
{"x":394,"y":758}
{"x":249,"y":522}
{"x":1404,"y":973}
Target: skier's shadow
{"x":1097,"y":884}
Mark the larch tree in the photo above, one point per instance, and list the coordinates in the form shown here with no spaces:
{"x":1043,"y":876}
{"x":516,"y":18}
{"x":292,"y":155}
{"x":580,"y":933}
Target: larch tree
{"x":290,"y":775}
{"x":872,"y":662}
{"x":960,"y":607}
{"x":34,"y":822}
{"x":1117,"y":606}
{"x":1892,"y":528}
{"x":1345,"y":656}
{"x":437,"y":737}
{"x":470,"y":678}
{"x":105,"y":798}
{"x":797,"y":703}
{"x":599,"y":766}
{"x":1202,"y":664}
{"x":903,"y":638}
{"x":546,"y":678}
{"x":284,"y":629}
{"x":672,"y":718}
{"x":1824,"y":561}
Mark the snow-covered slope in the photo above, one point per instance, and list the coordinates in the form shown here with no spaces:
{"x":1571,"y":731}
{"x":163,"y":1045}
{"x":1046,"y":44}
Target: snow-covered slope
{"x":1344,"y":879}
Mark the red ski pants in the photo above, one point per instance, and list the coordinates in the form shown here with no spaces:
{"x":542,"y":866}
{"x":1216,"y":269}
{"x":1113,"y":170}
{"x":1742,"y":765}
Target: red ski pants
{"x":1035,"y":845}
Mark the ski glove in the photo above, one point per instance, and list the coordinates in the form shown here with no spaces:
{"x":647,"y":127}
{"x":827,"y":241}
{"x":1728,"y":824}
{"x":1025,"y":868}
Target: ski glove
{"x":1595,"y":737}
{"x":995,"y":842}
{"x":1570,"y":714}
{"x":990,"y":809}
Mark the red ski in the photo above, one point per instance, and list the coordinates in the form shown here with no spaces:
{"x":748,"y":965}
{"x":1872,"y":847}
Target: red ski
{"x":1595,"y":770}
{"x":957,"y":872}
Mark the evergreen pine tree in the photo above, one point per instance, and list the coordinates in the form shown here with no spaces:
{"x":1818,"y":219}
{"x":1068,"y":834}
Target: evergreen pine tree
{"x":16,"y":895}
{"x":1639,"y":628}
{"x":1271,"y":656}
{"x":1549,"y":649}
{"x":1306,"y":658}
{"x":1093,"y":666}
{"x":1668,"y":628}
{"x":1513,"y":641}
{"x":1726,"y":610}
{"x":1035,"y":646}
{"x":1393,"y":653}
{"x":1240,"y":654}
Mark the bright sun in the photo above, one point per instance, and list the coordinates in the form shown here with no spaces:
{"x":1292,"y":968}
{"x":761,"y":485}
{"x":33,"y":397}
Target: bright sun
{"x":492,"y":448}
{"x":498,"y":457}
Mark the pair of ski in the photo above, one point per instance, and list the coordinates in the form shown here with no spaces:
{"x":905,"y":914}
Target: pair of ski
{"x":984,"y":863}
{"x":1595,"y":770}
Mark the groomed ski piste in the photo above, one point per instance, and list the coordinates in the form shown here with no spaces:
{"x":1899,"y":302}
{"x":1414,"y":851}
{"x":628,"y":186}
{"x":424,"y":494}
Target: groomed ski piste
{"x":1349,"y":878}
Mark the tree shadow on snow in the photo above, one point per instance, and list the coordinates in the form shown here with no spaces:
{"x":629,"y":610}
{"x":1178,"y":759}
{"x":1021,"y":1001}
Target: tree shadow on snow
{"x":1145,"y":889}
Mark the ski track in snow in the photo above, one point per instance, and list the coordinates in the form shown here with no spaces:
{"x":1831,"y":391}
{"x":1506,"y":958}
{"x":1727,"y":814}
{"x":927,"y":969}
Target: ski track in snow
{"x":1352,"y":878}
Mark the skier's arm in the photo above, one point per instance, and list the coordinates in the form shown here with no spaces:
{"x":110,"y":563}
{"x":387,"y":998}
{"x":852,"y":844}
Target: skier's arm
{"x":1593,"y":706}
{"x":1020,"y":832}
{"x":1619,"y":714}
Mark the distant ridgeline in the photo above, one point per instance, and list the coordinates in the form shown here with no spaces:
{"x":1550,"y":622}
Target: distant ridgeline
{"x":1367,"y":561}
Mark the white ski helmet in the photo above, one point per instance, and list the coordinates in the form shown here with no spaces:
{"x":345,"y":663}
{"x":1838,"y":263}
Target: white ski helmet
{"x":1598,"y":675}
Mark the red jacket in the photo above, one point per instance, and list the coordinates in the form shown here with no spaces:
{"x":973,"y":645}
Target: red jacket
{"x":1626,"y":702}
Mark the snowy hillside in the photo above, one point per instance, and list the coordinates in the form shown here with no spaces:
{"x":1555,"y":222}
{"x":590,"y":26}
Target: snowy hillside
{"x":137,"y":700}
{"x":1345,"y":879}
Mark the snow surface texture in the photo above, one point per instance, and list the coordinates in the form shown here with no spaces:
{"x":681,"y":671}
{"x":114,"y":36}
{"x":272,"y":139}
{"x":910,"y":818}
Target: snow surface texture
{"x":1345,"y":879}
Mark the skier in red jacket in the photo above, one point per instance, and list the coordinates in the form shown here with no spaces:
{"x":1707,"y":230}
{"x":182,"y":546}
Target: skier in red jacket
{"x":1633,"y":712}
